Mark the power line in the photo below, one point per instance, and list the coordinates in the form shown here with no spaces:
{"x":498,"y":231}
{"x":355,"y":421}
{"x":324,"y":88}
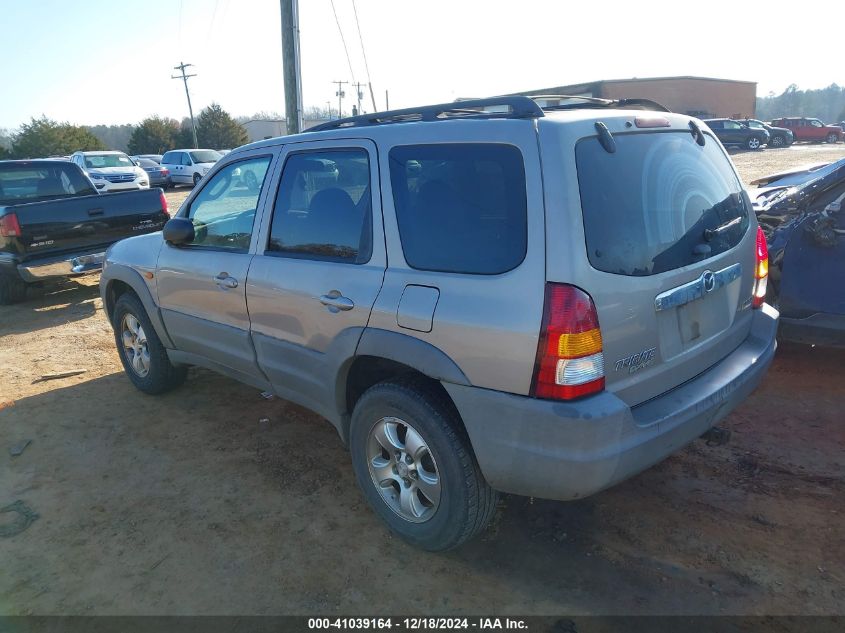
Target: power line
{"x":364,"y":53}
{"x":343,"y":39}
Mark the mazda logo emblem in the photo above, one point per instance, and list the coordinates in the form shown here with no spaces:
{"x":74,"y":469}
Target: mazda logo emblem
{"x":709,"y":280}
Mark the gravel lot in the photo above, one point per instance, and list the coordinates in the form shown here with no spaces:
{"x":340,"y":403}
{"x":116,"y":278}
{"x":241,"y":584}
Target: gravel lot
{"x":190,"y":503}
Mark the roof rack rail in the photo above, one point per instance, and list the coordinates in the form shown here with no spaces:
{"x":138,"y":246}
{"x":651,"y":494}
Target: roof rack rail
{"x":517,"y":108}
{"x":596,"y":102}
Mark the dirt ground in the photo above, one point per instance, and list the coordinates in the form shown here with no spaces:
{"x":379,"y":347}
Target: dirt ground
{"x":213,"y":500}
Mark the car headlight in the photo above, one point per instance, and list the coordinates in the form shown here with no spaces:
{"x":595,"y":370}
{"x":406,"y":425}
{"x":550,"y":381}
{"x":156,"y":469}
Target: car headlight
{"x":97,"y":176}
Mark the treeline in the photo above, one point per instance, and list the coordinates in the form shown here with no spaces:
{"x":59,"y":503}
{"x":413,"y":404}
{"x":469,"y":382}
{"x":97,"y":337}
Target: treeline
{"x":44,"y":137}
{"x":827,"y":104}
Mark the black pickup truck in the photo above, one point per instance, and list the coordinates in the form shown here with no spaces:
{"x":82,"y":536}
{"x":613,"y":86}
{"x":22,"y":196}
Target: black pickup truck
{"x":54,"y":224}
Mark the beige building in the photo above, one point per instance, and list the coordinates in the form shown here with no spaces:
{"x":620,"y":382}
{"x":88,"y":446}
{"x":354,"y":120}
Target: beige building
{"x":703,"y":97}
{"x":259,"y":129}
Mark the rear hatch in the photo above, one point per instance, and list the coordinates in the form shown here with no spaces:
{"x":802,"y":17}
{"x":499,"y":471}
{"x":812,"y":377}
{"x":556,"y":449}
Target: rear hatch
{"x":659,"y":231}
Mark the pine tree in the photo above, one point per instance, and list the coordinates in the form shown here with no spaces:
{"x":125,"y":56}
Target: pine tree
{"x":216,"y":129}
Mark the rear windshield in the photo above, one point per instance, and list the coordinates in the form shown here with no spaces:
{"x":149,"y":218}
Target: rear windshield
{"x":660,"y":202}
{"x":22,"y":183}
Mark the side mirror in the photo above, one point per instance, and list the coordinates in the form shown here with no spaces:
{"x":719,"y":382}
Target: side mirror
{"x":178,"y":231}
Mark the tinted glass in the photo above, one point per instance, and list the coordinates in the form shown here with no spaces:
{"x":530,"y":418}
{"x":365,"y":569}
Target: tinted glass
{"x":205,"y":156}
{"x":324,"y":207}
{"x":460,"y":207}
{"x":30,"y":183}
{"x":224,"y":210}
{"x":655,"y":204}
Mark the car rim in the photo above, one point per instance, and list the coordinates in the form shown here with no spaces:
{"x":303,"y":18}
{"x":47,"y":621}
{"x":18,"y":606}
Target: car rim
{"x":831,"y":139}
{"x":135,"y":345}
{"x":777,"y":141}
{"x":753,"y":143}
{"x":403,"y":469}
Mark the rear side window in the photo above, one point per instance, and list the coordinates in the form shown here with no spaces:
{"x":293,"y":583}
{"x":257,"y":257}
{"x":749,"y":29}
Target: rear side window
{"x":461,"y":208}
{"x":324,"y":208}
{"x":21,"y":183}
{"x":658,"y":203}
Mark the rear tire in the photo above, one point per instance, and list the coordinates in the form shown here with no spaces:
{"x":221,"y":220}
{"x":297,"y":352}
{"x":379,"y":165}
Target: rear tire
{"x":12,"y":289}
{"x":753,"y":143}
{"x":428,"y":451}
{"x":143,"y":356}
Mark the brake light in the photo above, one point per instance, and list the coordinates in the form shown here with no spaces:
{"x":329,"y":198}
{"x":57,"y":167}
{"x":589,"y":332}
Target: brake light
{"x":163,"y":203}
{"x":9,"y":226}
{"x":570,"y":363}
{"x":761,"y":270}
{"x":165,"y":172}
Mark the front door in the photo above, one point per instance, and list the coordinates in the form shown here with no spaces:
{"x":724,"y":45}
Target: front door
{"x":318,"y":268}
{"x":201,"y":285}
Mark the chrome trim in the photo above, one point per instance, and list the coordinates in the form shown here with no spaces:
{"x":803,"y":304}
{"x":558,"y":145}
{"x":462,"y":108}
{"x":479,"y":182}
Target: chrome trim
{"x":78,"y":265}
{"x":705,"y":284}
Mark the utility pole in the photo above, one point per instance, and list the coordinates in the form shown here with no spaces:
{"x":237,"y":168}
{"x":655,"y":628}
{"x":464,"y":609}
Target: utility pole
{"x":359,"y":94}
{"x":340,"y":95}
{"x":290,"y":65}
{"x":182,"y":66}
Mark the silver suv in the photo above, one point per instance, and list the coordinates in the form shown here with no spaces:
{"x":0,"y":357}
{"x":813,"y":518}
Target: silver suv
{"x":480,"y":296}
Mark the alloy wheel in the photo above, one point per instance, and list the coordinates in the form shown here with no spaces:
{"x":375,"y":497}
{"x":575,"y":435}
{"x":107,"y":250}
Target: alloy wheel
{"x":135,"y":345}
{"x":403,"y":469}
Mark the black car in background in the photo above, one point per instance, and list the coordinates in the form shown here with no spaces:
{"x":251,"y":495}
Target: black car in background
{"x":802,"y":214}
{"x":159,"y":176}
{"x":778,"y":136}
{"x":732,"y":132}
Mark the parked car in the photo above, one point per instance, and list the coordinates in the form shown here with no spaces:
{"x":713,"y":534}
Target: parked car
{"x":153,"y":157}
{"x":54,"y":223}
{"x":803,"y":218}
{"x":159,"y":176}
{"x":732,"y":132}
{"x":188,"y":166}
{"x":428,"y":281}
{"x":778,"y":136}
{"x":111,"y":171}
{"x":810,"y":129}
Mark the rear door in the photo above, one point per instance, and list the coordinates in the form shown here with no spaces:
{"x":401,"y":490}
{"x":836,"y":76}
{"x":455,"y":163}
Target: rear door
{"x":319,"y":267}
{"x":664,"y":244}
{"x":201,"y":285}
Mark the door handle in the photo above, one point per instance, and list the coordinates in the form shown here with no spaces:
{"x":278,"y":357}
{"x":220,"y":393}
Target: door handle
{"x":94,"y":212}
{"x":336,"y":301}
{"x":225,"y":281}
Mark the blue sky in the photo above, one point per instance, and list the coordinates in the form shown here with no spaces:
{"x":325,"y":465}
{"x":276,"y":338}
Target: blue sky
{"x":104,"y":61}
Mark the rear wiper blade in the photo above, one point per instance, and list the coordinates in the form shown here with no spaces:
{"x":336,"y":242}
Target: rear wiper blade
{"x":709,"y":234}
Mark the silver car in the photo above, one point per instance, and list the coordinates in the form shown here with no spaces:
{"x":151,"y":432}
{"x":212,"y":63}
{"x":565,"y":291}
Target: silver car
{"x":484,"y":296}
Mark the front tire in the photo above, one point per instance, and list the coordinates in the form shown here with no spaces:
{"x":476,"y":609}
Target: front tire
{"x":415,"y":466}
{"x":197,"y":179}
{"x":778,"y":141}
{"x":143,"y":356}
{"x":753,"y":143}
{"x":832,"y":138}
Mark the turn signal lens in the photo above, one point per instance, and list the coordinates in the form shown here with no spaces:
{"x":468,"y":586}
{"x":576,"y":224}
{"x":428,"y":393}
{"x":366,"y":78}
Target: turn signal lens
{"x":570,"y":363}
{"x":761,"y":270}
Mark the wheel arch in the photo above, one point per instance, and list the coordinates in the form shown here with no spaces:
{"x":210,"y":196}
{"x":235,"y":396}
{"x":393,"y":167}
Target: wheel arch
{"x":118,"y":279}
{"x":382,"y":355}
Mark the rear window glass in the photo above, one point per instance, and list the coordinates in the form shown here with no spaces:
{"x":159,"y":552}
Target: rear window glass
{"x":21,"y":183}
{"x":660,"y":202}
{"x":460,"y":207}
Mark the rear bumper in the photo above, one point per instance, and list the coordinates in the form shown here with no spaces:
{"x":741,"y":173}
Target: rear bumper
{"x":825,"y":330}
{"x":64,"y":266}
{"x":557,"y":450}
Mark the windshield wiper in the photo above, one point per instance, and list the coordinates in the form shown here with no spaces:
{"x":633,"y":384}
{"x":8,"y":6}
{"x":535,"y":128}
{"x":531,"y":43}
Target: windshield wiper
{"x":709,"y":234}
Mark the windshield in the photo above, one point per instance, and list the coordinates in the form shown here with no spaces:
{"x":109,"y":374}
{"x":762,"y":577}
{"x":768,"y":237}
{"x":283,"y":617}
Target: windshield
{"x":205,"y":156}
{"x":20,"y":184}
{"x":100,"y":161}
{"x":660,"y":202}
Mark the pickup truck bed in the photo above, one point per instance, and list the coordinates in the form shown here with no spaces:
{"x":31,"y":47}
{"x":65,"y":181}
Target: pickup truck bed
{"x":48,"y":234}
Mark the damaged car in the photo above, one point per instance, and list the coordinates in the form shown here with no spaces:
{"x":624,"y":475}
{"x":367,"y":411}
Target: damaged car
{"x":801,"y":215}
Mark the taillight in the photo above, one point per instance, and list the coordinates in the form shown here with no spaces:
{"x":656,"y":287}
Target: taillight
{"x":165,"y":172}
{"x":570,"y":363}
{"x":761,"y":270}
{"x":163,"y":203}
{"x":9,"y":226}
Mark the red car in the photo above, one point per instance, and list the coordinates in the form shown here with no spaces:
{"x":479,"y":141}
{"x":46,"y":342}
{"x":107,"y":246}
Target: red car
{"x":809,"y":129}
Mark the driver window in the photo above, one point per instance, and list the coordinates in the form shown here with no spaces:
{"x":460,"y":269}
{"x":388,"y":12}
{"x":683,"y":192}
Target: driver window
{"x":816,"y":123}
{"x":224,"y":210}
